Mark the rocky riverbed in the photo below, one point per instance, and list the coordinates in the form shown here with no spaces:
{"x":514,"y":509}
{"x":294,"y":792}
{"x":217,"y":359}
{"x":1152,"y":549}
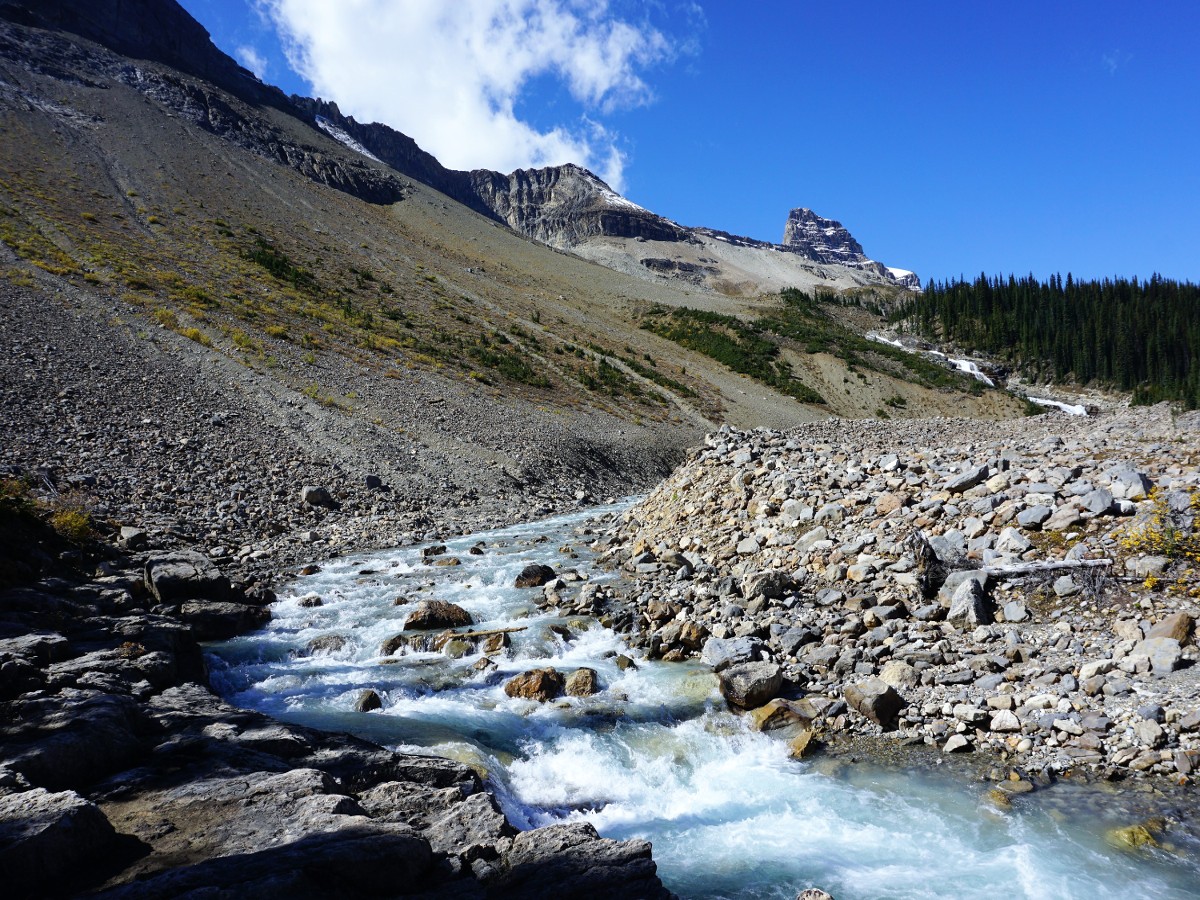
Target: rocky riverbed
{"x":1029,"y":593}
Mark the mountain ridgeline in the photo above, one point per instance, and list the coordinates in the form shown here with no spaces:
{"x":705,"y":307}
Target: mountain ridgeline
{"x":1139,"y":336}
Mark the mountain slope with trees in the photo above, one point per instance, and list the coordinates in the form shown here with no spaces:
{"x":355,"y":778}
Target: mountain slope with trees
{"x":1138,"y":336}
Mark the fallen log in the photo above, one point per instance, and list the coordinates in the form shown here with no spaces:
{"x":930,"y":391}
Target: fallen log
{"x":1048,"y":566}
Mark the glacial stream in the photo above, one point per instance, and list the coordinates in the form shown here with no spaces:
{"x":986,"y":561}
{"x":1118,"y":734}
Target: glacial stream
{"x":655,"y":754}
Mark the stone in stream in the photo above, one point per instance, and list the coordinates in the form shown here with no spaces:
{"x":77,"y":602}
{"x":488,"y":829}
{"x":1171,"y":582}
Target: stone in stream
{"x":534,"y":575}
{"x":433,"y":614}
{"x":750,"y":684}
{"x":583,"y":682}
{"x":956,"y":743}
{"x":783,"y":715}
{"x":876,"y":700}
{"x":536,"y":684}
{"x":367,"y":701}
{"x":326,"y":643}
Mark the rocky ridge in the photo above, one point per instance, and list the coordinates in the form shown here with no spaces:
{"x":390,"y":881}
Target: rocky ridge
{"x":918,"y":580}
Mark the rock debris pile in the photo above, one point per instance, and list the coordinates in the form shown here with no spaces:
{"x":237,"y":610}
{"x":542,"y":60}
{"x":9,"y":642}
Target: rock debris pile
{"x":1032,"y":593}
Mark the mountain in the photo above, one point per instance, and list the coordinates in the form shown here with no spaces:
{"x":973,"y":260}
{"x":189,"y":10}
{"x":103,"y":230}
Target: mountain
{"x":145,"y":168}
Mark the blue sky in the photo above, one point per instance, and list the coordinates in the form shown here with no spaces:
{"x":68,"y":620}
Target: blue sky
{"x":948,"y":137}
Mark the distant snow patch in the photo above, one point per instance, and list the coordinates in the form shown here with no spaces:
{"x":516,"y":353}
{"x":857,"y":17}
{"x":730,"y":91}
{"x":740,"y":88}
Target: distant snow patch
{"x":612,"y":198}
{"x":343,"y":138}
{"x":1069,"y":409}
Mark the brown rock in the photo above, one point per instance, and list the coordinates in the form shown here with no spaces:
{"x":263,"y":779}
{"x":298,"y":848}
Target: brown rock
{"x":431,"y":614}
{"x":1177,"y":625}
{"x":889,"y":502}
{"x":876,"y":700}
{"x":803,"y":744}
{"x":582,"y":683}
{"x":536,"y":684}
{"x":780,"y":714}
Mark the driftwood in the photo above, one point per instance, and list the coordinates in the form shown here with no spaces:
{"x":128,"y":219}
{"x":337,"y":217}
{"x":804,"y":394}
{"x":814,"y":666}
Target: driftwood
{"x":1051,"y":566}
{"x":488,"y":633}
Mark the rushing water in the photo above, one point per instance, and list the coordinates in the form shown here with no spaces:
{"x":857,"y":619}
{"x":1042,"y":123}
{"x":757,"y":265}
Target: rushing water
{"x":655,"y":754}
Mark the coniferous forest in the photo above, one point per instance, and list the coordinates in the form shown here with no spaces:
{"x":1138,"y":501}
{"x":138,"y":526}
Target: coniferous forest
{"x":1138,"y":336}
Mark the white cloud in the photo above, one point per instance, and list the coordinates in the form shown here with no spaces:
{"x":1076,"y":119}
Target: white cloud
{"x":452,"y":73}
{"x":249,"y":57}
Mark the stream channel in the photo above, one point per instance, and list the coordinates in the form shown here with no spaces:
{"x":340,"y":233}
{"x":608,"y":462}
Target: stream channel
{"x":656,"y":754}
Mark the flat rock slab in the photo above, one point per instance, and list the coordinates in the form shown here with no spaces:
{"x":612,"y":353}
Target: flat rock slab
{"x":185,"y":575}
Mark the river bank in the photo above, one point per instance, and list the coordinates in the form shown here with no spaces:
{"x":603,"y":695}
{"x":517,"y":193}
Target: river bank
{"x":1030,"y":593}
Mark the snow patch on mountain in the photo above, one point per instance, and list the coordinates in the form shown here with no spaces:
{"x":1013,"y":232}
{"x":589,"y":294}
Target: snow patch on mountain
{"x":343,"y":138}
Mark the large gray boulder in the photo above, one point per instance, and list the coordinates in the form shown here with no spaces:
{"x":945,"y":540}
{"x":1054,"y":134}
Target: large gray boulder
{"x":572,"y":860}
{"x":749,"y":685}
{"x":970,"y":603}
{"x":183,"y":575}
{"x":721,"y":653}
{"x":47,"y":840}
{"x":218,"y":621}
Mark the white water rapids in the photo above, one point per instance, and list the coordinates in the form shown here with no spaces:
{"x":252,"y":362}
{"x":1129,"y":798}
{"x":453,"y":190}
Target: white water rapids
{"x":655,"y":754}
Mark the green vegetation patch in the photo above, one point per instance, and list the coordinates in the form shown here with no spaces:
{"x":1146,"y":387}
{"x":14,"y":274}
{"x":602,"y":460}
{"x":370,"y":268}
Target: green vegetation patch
{"x":733,"y":343}
{"x":280,"y":266}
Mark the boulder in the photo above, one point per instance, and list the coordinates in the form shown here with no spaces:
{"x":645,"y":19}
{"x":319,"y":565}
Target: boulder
{"x":769,"y":585}
{"x":572,"y":860}
{"x":970,"y":604}
{"x":368,"y":701}
{"x":1164,"y":653}
{"x":185,"y":575}
{"x":876,"y":700}
{"x":437,"y":614}
{"x":47,"y":840}
{"x":783,"y":715}
{"x":750,"y":684}
{"x":973,"y":476}
{"x":1178,"y":626}
{"x":218,"y":621}
{"x":472,"y":829}
{"x":534,"y":575}
{"x":721,"y":653}
{"x":899,"y":675}
{"x":583,"y":682}
{"x":536,"y":684}
{"x":316,"y":495}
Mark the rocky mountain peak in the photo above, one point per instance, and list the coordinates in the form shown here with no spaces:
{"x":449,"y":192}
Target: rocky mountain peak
{"x":821,"y":239}
{"x":827,"y":241}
